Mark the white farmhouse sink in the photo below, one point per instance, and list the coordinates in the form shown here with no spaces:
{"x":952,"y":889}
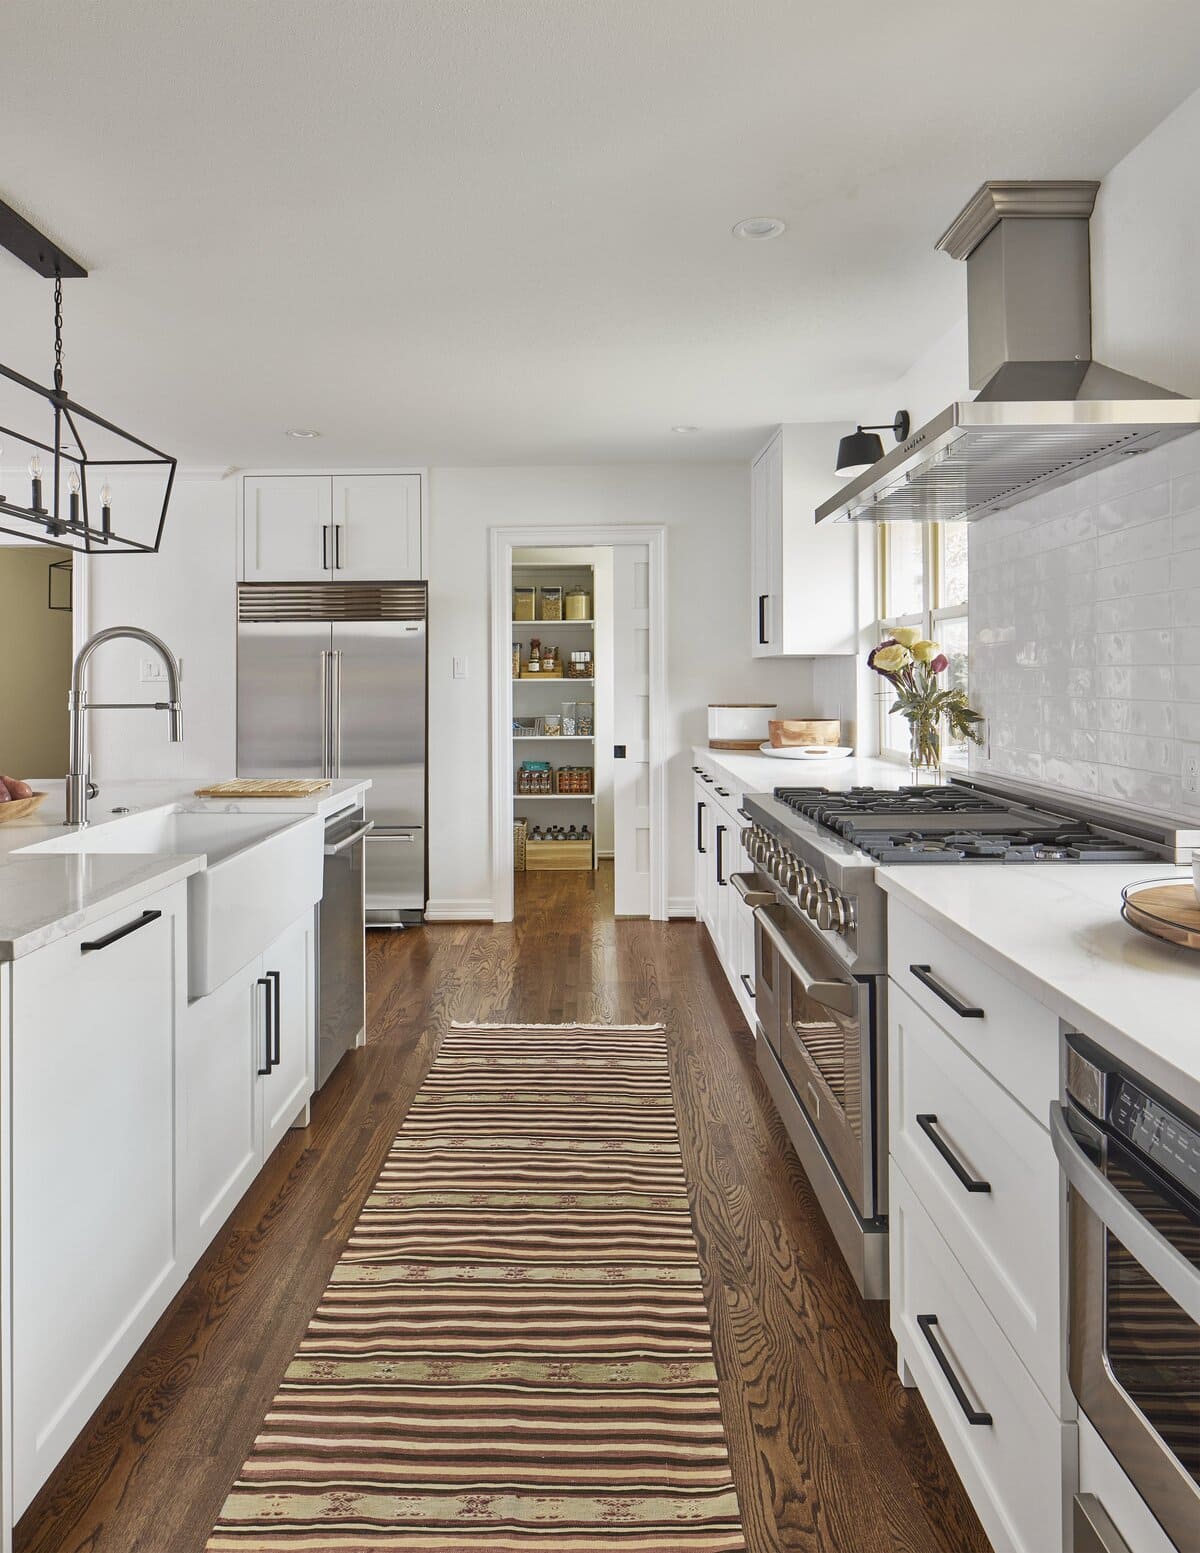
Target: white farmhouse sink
{"x":262,"y":871}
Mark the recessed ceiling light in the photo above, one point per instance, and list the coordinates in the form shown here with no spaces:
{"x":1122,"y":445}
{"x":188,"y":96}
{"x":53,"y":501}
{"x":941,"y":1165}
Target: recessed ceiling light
{"x":757,"y":229}
{"x":687,"y":430}
{"x":302,"y":432}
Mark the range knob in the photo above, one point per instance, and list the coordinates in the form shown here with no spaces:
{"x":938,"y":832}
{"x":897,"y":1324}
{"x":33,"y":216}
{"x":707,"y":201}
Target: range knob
{"x":826,"y":913}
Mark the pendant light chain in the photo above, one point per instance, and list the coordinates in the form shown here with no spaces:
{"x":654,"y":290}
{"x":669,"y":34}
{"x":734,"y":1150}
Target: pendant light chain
{"x":58,"y":323}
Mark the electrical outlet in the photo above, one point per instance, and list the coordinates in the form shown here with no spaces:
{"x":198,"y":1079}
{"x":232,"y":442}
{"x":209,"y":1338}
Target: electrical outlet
{"x":1190,"y":776}
{"x":151,"y":671}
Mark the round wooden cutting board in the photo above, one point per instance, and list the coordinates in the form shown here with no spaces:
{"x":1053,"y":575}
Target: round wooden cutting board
{"x":1169,"y":911}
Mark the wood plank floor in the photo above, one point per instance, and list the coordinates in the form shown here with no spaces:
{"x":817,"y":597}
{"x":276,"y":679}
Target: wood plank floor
{"x":830,"y":1453}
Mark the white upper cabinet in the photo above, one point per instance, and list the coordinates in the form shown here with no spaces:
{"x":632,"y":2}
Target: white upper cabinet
{"x":377,"y":528}
{"x":287,"y":529}
{"x":326,"y":528}
{"x":803,"y":578}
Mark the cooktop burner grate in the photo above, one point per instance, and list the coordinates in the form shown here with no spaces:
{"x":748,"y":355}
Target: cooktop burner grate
{"x":948,"y":825}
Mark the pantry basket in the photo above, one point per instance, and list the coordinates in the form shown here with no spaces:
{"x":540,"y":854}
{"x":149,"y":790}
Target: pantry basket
{"x":520,"y":836}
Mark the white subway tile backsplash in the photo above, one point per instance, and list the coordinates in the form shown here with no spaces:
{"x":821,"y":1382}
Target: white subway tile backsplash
{"x":1085,"y":630}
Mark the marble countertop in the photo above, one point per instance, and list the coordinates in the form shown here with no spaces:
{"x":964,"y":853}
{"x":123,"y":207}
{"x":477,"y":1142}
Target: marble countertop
{"x":47,"y":895}
{"x":1055,"y":930}
{"x":751,"y":773}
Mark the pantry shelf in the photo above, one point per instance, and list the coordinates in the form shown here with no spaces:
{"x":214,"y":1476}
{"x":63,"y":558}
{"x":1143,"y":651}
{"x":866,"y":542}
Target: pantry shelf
{"x":553,"y":738}
{"x":555,"y":797}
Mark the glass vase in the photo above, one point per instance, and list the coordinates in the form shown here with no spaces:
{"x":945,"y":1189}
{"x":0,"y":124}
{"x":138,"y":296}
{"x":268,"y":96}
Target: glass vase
{"x":924,"y":752}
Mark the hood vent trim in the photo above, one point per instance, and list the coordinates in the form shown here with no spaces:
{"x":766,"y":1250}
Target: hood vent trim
{"x":1036,"y":423}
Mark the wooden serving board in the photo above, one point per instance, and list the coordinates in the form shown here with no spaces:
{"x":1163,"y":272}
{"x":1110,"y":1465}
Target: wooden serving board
{"x":262,"y":787}
{"x":1169,"y":911}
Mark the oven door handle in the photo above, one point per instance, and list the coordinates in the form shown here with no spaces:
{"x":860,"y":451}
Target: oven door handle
{"x":839,"y":995}
{"x":747,"y":887}
{"x":1172,"y":1271}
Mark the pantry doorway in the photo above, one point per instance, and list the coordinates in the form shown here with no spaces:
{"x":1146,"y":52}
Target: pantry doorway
{"x":578,"y":703}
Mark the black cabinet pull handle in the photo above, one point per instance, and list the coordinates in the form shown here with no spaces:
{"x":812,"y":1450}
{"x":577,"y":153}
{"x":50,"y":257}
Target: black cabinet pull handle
{"x":970,"y":1413}
{"x":337,"y":547}
{"x":325,"y":547}
{"x":700,"y":808}
{"x":746,"y":984}
{"x":705,"y":778}
{"x":696,"y":769}
{"x":927,"y":1123}
{"x":924,"y":974}
{"x":762,"y":619}
{"x":721,"y":879}
{"x":277,"y":1020}
{"x":268,"y":1044}
{"x":724,"y":792}
{"x":742,"y":815}
{"x":120,"y":932}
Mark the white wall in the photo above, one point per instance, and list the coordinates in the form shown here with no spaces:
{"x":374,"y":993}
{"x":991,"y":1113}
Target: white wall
{"x":705,"y":509}
{"x":186,"y":595}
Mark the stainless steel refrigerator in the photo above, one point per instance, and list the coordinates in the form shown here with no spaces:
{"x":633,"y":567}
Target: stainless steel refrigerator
{"x":331,"y":683}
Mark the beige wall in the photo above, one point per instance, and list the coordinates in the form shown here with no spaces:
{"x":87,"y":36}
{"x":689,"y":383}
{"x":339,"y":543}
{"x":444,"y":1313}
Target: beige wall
{"x":36,"y":669}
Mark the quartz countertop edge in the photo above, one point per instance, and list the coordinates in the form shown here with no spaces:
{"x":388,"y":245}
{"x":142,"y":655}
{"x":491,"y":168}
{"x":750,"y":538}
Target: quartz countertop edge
{"x":1055,"y":931}
{"x":747,"y":772}
{"x":46,"y":896}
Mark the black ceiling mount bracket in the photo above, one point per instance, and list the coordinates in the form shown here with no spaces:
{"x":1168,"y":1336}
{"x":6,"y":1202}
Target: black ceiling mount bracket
{"x":34,"y":248}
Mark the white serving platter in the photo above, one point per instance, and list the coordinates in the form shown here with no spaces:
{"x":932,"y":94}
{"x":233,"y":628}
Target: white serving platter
{"x":808,"y":751}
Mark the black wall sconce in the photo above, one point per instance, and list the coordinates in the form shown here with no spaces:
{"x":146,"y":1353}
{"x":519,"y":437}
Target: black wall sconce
{"x":863,"y":447}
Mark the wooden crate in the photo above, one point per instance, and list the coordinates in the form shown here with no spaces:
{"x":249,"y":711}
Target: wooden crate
{"x":544,"y":855}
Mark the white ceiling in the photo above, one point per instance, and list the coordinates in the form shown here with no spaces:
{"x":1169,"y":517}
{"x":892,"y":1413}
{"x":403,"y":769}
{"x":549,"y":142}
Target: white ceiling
{"x":473,"y":231}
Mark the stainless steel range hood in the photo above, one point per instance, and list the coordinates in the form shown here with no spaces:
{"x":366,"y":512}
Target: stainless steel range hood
{"x":1046,"y":413}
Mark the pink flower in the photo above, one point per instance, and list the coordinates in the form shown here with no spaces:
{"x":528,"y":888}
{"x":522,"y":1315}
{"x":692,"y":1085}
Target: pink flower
{"x":939,"y":664}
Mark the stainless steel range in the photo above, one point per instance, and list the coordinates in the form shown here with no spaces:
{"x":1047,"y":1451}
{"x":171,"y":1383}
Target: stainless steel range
{"x":821,"y":956}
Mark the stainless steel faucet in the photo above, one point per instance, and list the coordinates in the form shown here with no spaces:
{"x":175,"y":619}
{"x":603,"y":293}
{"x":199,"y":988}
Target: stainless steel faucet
{"x":79,"y":783}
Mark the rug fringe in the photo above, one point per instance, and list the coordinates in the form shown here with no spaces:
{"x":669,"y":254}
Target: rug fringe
{"x":470,"y":1024}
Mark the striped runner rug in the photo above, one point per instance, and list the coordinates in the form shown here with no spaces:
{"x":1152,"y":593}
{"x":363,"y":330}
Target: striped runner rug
{"x":513,"y":1352}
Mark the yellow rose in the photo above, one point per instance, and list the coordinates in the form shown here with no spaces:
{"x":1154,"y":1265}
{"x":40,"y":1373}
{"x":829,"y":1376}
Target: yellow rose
{"x":889,"y":659}
{"x":906,"y":635}
{"x":924,"y":651}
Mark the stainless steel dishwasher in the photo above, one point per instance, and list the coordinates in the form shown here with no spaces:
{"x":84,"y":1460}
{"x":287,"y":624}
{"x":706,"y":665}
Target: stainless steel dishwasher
{"x":341,"y":941}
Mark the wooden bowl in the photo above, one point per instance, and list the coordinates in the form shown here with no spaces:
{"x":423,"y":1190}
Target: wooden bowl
{"x":20,"y":808}
{"x":787,"y":732}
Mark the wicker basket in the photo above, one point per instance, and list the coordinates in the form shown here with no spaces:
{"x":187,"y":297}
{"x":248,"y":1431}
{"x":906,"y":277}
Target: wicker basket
{"x":520,"y":833}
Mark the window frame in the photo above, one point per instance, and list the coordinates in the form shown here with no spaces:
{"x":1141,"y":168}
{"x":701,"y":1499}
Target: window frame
{"x":927,"y":619}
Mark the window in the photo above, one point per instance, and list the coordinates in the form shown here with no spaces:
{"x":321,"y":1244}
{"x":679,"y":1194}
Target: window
{"x":923,"y":583}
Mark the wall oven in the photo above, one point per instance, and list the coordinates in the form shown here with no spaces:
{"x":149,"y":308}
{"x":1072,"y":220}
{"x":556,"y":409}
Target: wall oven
{"x":819,"y":1027}
{"x":1131,"y":1159}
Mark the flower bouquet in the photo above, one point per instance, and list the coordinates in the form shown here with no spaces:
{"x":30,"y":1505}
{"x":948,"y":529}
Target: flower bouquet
{"x":911,"y":663}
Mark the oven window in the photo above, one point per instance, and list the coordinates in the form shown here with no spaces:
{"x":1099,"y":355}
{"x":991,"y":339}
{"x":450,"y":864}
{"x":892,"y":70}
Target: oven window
{"x":827,"y":1038}
{"x":1153,"y":1347}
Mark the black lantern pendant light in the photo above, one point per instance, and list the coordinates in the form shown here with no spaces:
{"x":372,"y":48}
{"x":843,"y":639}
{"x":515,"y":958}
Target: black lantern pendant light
{"x":863,"y":447}
{"x":57,"y":459}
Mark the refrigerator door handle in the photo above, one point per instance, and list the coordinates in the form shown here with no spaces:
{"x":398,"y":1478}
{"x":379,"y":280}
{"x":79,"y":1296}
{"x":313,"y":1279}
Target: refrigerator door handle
{"x":336,"y":758}
{"x":325,"y":712}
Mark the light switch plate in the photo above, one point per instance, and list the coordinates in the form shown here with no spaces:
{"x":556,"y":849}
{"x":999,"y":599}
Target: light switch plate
{"x":151,"y":671}
{"x":459,"y":670}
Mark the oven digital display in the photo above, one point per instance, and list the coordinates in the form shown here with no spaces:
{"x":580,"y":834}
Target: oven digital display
{"x":1167,"y":1141}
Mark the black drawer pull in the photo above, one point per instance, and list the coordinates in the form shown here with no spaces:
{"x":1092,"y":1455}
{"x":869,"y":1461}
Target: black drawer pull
{"x":704,"y":777}
{"x":924,"y":974}
{"x":700,"y":808}
{"x":762,"y":619}
{"x":269,"y":1043}
{"x":927,"y":1123}
{"x":748,"y":987}
{"x":120,"y":932}
{"x":742,"y":815}
{"x":274,"y":976}
{"x":721,"y":879}
{"x":696,"y":769}
{"x":970,"y":1413}
{"x":724,"y":792}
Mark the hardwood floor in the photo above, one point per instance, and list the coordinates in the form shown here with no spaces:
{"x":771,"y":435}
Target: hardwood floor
{"x":830,"y":1453}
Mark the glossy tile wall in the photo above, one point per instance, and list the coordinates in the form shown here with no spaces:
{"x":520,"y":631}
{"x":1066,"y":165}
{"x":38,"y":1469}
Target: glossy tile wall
{"x":1085,"y":631}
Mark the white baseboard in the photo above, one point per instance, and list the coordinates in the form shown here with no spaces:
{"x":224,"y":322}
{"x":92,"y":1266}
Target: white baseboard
{"x":609,"y":854}
{"x":459,"y":911}
{"x":681,"y":906}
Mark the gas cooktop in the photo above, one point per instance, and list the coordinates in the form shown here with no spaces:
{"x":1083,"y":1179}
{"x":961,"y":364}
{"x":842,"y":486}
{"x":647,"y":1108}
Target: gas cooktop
{"x":955,"y":825}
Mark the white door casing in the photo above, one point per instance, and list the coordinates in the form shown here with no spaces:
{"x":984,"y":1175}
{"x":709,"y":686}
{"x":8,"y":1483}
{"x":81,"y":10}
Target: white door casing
{"x":651,"y":539}
{"x":631,"y":730}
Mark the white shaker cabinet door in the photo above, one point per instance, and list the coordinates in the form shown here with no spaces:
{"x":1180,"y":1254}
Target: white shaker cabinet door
{"x":287,"y":529}
{"x":94,"y":1251}
{"x":377,"y":528}
{"x":287,"y":1032}
{"x":219,"y":1148}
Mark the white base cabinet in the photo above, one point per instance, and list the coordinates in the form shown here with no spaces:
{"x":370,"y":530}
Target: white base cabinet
{"x":719,"y":854}
{"x":96,"y":1253}
{"x":134,"y":1121}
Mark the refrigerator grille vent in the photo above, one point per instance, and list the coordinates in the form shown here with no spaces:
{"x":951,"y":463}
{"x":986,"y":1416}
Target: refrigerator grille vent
{"x":331,"y":601}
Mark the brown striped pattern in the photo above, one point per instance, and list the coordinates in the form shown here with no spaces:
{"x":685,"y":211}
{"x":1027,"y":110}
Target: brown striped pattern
{"x":513,"y":1352}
